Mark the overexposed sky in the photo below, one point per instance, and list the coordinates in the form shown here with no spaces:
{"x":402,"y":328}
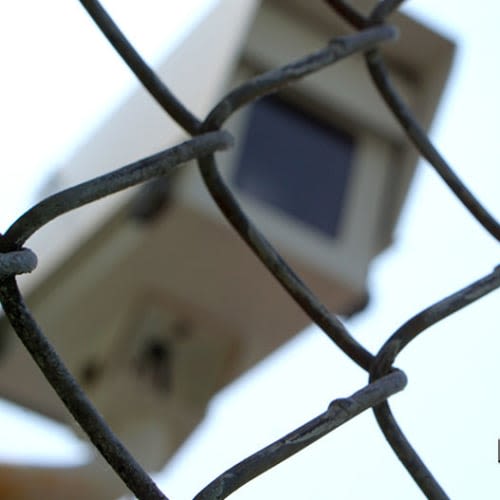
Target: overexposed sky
{"x":51,"y":95}
{"x":60,"y":78}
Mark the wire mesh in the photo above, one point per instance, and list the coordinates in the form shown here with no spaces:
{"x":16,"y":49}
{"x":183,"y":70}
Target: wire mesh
{"x":208,"y":136}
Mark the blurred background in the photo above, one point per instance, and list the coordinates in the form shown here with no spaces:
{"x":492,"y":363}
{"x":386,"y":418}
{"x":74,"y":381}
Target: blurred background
{"x":51,"y":99}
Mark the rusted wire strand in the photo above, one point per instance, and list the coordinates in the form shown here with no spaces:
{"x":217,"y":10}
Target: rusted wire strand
{"x":386,"y":356}
{"x":273,"y":80}
{"x":379,"y":13}
{"x":430,"y":316}
{"x":304,"y":297}
{"x":140,"y":68}
{"x":347,"y":12}
{"x":406,"y":453}
{"x":419,"y":138}
{"x":414,"y":131}
{"x":72,"y":395}
{"x":383,"y":9}
{"x":262,"y":85}
{"x":339,"y":412}
{"x":384,"y":379}
{"x":157,"y":165}
{"x":17,"y":262}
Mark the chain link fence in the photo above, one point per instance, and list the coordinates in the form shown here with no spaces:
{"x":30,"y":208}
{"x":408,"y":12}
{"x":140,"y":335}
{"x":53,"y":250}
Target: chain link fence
{"x":208,"y":136}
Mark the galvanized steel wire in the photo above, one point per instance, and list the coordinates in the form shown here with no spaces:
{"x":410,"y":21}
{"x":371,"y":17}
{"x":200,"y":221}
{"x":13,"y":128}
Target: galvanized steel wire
{"x":208,"y":137}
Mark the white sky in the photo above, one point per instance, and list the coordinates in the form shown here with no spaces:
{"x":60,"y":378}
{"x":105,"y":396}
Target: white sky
{"x":450,"y":410}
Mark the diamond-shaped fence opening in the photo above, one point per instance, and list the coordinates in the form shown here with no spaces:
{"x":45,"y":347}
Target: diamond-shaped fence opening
{"x":155,"y":336}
